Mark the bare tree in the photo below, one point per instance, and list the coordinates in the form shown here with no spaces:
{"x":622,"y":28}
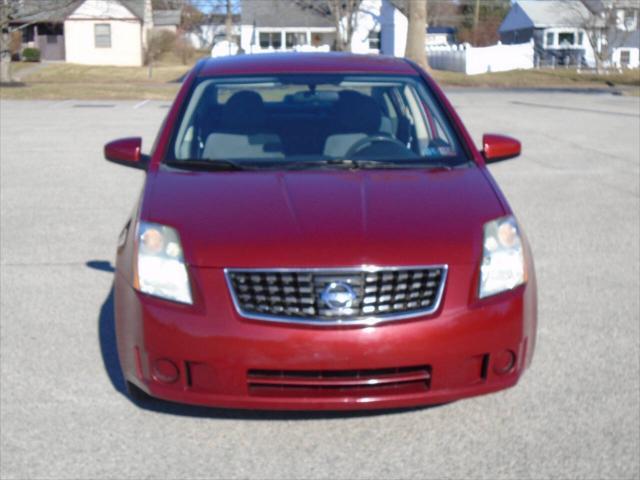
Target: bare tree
{"x":593,"y":25}
{"x":158,"y":43}
{"x":194,"y":21}
{"x":183,"y":49}
{"x":445,"y":13}
{"x":191,"y":21}
{"x":199,"y":17}
{"x":344,"y":14}
{"x":416,"y":32}
{"x":476,"y":22}
{"x":228,"y":22}
{"x":18,"y":14}
{"x":606,"y":25}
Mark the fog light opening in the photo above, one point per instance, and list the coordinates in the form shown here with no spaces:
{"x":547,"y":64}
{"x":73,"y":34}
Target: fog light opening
{"x":165,"y":371}
{"x":504,"y":362}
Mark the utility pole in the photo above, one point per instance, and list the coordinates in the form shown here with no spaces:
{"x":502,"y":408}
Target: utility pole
{"x":476,"y":20}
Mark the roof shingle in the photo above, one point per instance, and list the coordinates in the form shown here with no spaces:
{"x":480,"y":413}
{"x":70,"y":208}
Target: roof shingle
{"x":280,"y":14}
{"x":555,"y":13}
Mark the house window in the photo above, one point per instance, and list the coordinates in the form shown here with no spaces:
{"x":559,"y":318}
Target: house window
{"x":580,"y":38}
{"x":270,"y":40}
{"x":625,"y":57}
{"x":102,"y":33}
{"x":626,"y":19}
{"x":28,"y":34}
{"x":52,"y":39}
{"x":566,"y":39}
{"x":631,"y":20}
{"x":374,"y":40}
{"x":550,"y":39}
{"x":295,"y":38}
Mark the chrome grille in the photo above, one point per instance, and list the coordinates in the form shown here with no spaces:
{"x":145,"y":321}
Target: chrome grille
{"x":375,"y":294}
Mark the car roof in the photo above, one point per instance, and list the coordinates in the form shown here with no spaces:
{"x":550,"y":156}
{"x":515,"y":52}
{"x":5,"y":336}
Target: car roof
{"x":298,"y":62}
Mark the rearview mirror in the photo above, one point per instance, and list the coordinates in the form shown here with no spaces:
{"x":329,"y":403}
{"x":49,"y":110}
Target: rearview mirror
{"x":496,"y":148}
{"x":127,"y":152}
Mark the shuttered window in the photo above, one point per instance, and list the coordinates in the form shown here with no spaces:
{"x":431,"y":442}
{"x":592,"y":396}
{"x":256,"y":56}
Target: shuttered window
{"x":102,"y":35}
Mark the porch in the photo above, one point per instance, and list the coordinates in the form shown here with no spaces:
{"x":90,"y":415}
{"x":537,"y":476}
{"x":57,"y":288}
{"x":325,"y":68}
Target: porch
{"x":289,"y":39}
{"x":46,"y":37}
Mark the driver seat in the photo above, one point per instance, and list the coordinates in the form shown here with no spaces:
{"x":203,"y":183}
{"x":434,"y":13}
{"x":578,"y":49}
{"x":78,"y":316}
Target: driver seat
{"x":357,"y":116}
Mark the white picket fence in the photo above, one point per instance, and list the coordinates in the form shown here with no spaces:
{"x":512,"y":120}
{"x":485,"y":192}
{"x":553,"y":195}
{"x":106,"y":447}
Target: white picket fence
{"x":472,"y":61}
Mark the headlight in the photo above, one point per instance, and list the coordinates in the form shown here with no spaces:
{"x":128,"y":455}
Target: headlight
{"x":502,"y":258}
{"x":161,"y":270}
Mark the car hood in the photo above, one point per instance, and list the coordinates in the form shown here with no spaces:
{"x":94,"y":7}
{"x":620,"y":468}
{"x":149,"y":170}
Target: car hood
{"x":324,"y":218}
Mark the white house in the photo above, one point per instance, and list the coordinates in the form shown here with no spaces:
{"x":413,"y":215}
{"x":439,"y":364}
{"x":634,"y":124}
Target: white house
{"x":282,"y":25}
{"x":555,"y":26}
{"x":626,"y":54}
{"x":367,"y":37}
{"x":114,"y":32}
{"x":623,"y":33}
{"x":566,"y":32}
{"x":108,"y":32}
{"x":205,"y":36}
{"x":394,"y":25}
{"x":94,"y":32}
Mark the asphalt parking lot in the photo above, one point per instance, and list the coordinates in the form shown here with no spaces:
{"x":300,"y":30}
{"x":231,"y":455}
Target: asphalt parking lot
{"x":575,"y":413}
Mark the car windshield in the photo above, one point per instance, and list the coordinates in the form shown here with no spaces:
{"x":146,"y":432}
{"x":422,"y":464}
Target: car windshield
{"x":313,"y":121}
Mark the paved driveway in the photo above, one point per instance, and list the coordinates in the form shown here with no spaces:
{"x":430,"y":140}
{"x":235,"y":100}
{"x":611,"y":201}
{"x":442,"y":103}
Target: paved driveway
{"x":575,"y":413}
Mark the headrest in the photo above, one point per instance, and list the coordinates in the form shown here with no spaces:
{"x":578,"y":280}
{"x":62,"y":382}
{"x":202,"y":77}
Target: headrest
{"x":357,"y":112}
{"x":244,"y":113}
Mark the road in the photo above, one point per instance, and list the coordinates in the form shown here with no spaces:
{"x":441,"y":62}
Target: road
{"x":575,"y":413}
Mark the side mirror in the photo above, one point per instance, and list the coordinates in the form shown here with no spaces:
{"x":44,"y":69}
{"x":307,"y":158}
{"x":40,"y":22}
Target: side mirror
{"x":127,"y":152}
{"x":499,"y":147}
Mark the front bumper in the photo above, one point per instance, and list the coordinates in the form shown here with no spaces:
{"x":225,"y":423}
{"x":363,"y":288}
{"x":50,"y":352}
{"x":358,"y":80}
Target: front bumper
{"x":464,"y":348}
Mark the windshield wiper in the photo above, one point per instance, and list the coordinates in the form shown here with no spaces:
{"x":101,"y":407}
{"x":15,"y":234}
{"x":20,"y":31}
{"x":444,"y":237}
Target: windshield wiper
{"x":331,"y":162}
{"x":418,"y":162}
{"x":369,"y":163}
{"x":209,"y":165}
{"x":347,"y":163}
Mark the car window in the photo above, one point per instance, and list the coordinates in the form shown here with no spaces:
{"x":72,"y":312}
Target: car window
{"x":266,"y":121}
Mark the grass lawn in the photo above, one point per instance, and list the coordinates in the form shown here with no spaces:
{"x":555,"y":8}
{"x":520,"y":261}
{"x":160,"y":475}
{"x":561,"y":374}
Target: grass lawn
{"x":60,"y":81}
{"x":90,"y":91}
{"x":559,"y":77}
{"x":72,"y":73}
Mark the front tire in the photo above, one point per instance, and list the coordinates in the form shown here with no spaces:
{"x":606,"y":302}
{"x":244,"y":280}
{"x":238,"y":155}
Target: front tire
{"x":137,"y":395}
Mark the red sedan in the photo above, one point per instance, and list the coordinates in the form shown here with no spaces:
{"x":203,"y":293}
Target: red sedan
{"x":318,"y":231}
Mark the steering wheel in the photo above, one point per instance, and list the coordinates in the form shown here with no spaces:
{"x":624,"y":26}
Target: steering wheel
{"x":368,"y":141}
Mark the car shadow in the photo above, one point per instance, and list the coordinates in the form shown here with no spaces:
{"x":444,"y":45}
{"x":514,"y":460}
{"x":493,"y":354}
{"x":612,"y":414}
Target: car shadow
{"x":102,"y":265}
{"x":109,"y":351}
{"x":108,"y":346}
